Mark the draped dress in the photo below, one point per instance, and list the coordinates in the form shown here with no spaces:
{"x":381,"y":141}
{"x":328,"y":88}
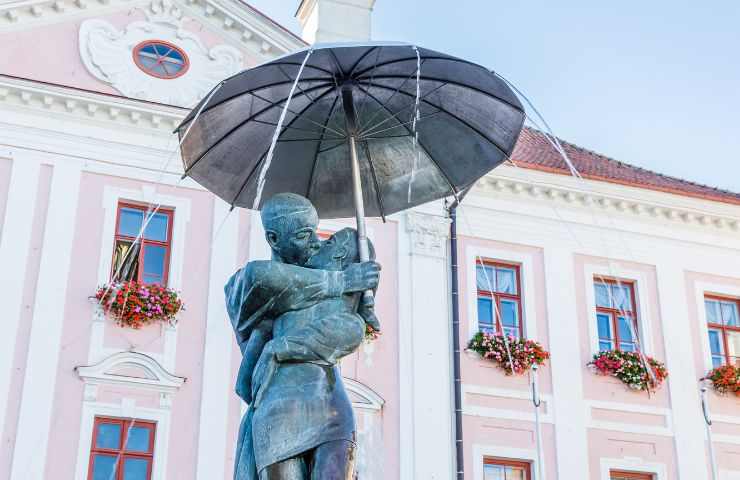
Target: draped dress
{"x":306,"y":404}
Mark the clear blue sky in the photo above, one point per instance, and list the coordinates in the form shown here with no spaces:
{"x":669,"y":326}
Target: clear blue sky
{"x":652,"y":83}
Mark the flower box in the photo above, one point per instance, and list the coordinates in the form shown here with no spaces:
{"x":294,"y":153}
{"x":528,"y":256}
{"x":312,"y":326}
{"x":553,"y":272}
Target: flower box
{"x":725,"y":379}
{"x":521,"y":352}
{"x":133,"y":304}
{"x":629,"y":368}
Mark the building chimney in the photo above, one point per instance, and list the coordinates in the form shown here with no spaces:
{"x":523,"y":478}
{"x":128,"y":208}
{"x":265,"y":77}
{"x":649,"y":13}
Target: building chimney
{"x":335,"y":20}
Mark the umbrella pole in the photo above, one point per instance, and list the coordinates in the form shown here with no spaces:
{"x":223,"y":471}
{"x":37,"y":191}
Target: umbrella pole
{"x":363,"y":248}
{"x":362,"y":244}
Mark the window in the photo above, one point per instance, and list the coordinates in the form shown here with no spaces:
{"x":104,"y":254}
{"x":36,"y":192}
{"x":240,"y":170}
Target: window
{"x":620,"y":475}
{"x":161,"y":59}
{"x":616,"y":317}
{"x":122,"y":449}
{"x":499,"y":298}
{"x":146,"y":260}
{"x":723,"y":324}
{"x":500,"y":469}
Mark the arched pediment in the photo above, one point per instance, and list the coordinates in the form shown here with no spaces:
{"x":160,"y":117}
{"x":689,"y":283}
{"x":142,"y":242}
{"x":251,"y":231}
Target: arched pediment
{"x":362,"y":396}
{"x":133,"y":369}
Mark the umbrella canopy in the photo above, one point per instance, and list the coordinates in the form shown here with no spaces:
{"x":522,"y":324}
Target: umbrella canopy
{"x":427,"y":125}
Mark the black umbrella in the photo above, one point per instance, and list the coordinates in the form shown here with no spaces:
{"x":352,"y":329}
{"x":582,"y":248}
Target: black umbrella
{"x":371,"y":128}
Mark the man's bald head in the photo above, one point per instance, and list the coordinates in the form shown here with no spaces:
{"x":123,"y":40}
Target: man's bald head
{"x":290,"y":223}
{"x":283,"y":211}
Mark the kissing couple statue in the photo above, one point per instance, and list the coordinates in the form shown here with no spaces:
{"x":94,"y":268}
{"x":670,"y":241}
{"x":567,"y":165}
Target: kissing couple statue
{"x":295,"y":316}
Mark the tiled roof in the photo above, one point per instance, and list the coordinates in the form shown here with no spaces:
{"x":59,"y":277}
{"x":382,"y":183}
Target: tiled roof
{"x":535,"y":152}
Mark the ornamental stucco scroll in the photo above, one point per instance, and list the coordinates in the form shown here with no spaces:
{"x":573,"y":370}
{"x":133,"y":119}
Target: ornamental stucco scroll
{"x":107,"y":53}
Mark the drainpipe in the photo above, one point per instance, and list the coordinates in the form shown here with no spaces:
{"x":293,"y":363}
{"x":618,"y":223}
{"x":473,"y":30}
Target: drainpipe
{"x":454,"y":292}
{"x":455,"y":302}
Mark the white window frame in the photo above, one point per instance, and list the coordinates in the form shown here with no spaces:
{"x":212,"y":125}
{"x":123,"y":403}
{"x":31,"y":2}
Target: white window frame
{"x":527,"y":285}
{"x":147,"y":194}
{"x":632,"y":464}
{"x":700,"y":290}
{"x":162,"y":382}
{"x":640,"y":282}
{"x":112,"y":196}
{"x":481,"y":451}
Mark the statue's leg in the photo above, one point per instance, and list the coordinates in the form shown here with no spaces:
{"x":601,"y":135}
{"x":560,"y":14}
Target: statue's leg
{"x":290,"y":469}
{"x":334,"y":461}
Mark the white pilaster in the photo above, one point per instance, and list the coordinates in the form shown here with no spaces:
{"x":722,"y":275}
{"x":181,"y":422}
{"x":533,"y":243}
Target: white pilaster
{"x":566,"y":366}
{"x":217,"y":377}
{"x":690,"y":436}
{"x":427,"y":369}
{"x":14,"y":248}
{"x":34,"y":422}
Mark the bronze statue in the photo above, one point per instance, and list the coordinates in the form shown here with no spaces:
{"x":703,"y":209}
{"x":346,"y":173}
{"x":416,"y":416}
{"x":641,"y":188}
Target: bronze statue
{"x":294,"y":317}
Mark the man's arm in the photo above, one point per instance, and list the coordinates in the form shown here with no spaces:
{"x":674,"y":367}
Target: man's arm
{"x":269,"y":288}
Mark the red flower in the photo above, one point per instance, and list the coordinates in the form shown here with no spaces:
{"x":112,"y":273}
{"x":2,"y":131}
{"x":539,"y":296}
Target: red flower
{"x":725,"y":379}
{"x":134,"y":305}
{"x":513,"y":355}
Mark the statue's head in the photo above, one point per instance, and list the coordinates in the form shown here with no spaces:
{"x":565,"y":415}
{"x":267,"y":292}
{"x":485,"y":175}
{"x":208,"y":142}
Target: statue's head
{"x":339,"y":251}
{"x":290,"y":223}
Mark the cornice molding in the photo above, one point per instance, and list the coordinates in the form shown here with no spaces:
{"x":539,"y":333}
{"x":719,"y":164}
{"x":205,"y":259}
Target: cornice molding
{"x":119,"y":112}
{"x":496,"y":184}
{"x":88,"y":106}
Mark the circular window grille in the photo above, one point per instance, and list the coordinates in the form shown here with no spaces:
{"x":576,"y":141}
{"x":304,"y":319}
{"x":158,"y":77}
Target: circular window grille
{"x":161,"y":59}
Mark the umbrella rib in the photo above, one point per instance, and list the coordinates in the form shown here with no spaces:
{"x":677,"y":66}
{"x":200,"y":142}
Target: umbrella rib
{"x":190,"y":115}
{"x":378,"y":197}
{"x":273,"y":124}
{"x":402,"y":124}
{"x":318,"y":147}
{"x":431,"y":57}
{"x":426,"y":150}
{"x":240,"y":125}
{"x":262,"y":157}
{"x":336,"y":62}
{"x":323,"y":150}
{"x":385,"y":136}
{"x":467,"y":124}
{"x":453,"y":82}
{"x":306,"y":119}
{"x":363,"y":107}
{"x":362,"y":57}
{"x":369,"y":129}
{"x":389,"y":98}
{"x":280,"y":67}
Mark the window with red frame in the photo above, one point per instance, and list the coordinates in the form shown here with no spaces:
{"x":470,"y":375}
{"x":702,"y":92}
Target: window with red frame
{"x":723,"y":323}
{"x":144,"y":259}
{"x":502,"y":469}
{"x":616,"y":317}
{"x":161,"y":59}
{"x":122,"y":449}
{"x":499,"y":298}
{"x":621,"y":475}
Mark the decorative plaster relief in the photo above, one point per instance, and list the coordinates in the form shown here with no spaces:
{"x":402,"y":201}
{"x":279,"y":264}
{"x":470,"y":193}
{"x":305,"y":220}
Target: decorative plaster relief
{"x":428,"y":233}
{"x":108,"y":54}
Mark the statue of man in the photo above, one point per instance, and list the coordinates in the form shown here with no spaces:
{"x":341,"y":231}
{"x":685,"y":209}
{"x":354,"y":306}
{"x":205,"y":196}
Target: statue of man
{"x":303,"y":427}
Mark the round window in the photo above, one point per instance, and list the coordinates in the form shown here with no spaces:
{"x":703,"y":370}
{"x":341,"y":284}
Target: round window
{"x":161,"y":59}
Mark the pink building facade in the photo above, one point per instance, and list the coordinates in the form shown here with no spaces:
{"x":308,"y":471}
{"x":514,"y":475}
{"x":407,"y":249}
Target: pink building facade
{"x":85,"y":131}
